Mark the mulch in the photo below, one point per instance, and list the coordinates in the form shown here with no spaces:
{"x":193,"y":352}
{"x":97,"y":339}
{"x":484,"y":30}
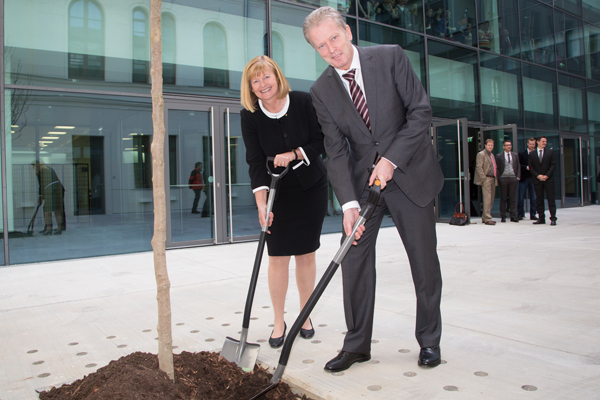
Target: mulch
{"x":203,"y":376}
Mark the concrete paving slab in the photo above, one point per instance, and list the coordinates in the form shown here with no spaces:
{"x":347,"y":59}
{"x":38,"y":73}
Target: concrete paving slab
{"x":520,"y":315}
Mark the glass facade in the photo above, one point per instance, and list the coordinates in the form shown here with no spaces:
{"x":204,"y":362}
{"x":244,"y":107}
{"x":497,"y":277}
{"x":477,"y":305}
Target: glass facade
{"x":76,"y":78}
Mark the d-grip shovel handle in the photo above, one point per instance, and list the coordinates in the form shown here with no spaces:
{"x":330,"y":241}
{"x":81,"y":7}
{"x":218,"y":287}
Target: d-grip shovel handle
{"x":364,"y":215}
{"x":275,"y":178}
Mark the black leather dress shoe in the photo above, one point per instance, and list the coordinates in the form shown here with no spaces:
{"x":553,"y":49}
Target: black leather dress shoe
{"x":278,"y":342}
{"x":514,"y":220}
{"x":430,"y":356}
{"x":307,"y":333}
{"x":540,"y":222}
{"x":344,"y":360}
{"x":503,"y":219}
{"x":553,"y":222}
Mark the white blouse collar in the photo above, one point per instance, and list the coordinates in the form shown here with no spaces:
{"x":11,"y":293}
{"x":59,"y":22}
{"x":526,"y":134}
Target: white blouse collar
{"x":281,"y":113}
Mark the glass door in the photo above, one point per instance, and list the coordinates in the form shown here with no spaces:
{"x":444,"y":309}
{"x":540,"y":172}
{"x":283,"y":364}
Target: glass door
{"x":189,"y":174}
{"x":450,"y":141}
{"x":575,"y":178}
{"x":208,"y":186}
{"x":498,"y":134}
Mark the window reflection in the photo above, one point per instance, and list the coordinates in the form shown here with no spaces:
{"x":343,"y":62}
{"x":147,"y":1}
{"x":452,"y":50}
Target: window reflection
{"x":86,"y":41}
{"x":539,"y":97}
{"x":571,"y":101}
{"x":140,"y":46}
{"x":498,"y":28}
{"x":500,"y":85}
{"x":169,"y":49}
{"x":216,"y":71}
{"x":537,"y":35}
{"x":569,"y":43}
{"x":452,"y":20}
{"x":592,"y":51}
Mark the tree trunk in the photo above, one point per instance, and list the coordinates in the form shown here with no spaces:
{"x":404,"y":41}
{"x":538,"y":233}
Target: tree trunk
{"x":163,"y":286}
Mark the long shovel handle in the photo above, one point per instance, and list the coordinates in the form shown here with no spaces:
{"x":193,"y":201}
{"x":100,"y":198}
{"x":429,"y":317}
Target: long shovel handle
{"x":275,"y":178}
{"x":365,"y":214}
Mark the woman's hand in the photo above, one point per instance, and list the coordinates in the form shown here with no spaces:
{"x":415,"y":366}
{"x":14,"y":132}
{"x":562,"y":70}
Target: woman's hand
{"x":283,"y":159}
{"x":262,"y":217}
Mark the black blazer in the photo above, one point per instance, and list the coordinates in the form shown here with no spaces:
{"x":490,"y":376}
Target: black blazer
{"x":516,"y":164}
{"x":544,"y":167}
{"x":524,"y":161}
{"x":266,"y":137}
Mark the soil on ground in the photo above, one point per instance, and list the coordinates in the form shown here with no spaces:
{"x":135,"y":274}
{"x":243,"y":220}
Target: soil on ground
{"x":202,"y":376}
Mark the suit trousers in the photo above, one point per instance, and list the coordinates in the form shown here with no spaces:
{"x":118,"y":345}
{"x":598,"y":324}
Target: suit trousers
{"x":526,"y":185}
{"x":416,"y":226}
{"x":508,"y":194}
{"x":488,"y":190}
{"x":548,"y":188}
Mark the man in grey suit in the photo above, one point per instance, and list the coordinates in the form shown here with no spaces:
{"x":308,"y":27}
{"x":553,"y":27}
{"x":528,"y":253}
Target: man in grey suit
{"x":371,"y":106}
{"x":509,"y":171}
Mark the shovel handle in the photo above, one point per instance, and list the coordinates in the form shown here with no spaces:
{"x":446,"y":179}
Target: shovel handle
{"x":364,"y":215}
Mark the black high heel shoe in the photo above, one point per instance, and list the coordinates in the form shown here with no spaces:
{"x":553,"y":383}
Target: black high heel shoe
{"x":278,"y":342}
{"x":308,"y":333}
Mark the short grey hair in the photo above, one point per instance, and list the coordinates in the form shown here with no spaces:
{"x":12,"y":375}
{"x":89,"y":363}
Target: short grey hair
{"x":316,"y":17}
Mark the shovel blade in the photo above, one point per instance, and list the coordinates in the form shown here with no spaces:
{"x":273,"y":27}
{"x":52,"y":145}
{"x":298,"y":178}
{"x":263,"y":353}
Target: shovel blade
{"x":249,"y":353}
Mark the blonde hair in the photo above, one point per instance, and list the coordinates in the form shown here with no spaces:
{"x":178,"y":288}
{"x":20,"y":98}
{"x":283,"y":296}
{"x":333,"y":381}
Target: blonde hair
{"x":316,"y":17}
{"x":257,"y":66}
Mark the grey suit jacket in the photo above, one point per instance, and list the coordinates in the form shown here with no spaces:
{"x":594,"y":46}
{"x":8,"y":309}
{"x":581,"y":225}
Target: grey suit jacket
{"x":501,"y":161}
{"x":400,"y":117}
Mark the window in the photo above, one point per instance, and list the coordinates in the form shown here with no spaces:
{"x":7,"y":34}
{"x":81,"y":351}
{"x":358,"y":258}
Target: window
{"x":140,"y":47}
{"x":169,"y":49}
{"x":216,"y":70}
{"x":86,"y":41}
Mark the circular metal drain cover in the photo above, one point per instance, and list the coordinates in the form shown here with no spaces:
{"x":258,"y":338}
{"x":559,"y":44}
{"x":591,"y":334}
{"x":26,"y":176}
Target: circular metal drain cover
{"x":44,"y":375}
{"x":374,"y":388}
{"x":337,"y":373}
{"x":374,"y":341}
{"x":73,"y":344}
{"x":443,"y":362}
{"x":210,"y":340}
{"x":38,"y":362}
{"x":308,"y":361}
{"x":209,"y":318}
{"x":238,"y":312}
{"x":254,"y":318}
{"x":451,"y":388}
{"x":174,"y":347}
{"x":322,"y":325}
{"x":32,"y":351}
{"x":194,"y":331}
{"x":111,"y":337}
{"x":529,"y":388}
{"x":315,"y":341}
{"x":410,"y":374}
{"x":121,"y":346}
{"x":266,"y":306}
{"x":373,"y":362}
{"x":481,"y":373}
{"x":180,"y":323}
{"x":261,"y":340}
{"x":404,"y":351}
{"x":271,"y":325}
{"x":83,"y":353}
{"x":225,"y":324}
{"x":147,"y":330}
{"x":91,"y":365}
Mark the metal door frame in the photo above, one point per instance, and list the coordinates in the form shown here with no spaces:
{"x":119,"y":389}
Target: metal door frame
{"x":220,"y":167}
{"x":582,"y":173}
{"x":462,"y":136}
{"x":513,"y":127}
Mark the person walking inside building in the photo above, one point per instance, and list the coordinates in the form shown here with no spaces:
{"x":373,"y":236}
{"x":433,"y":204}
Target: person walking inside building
{"x":509,"y":170}
{"x":486,"y":176}
{"x":196,"y":183}
{"x":372,"y":106}
{"x":52,"y":195}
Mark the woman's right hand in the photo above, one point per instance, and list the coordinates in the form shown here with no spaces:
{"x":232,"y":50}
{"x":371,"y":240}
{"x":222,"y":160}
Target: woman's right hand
{"x":262,"y":217}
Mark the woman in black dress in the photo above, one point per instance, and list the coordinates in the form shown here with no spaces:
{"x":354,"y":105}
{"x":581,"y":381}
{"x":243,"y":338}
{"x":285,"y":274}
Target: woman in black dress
{"x":282,"y":124}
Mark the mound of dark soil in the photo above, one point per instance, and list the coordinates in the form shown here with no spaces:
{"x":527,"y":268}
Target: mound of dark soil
{"x":204,"y":376}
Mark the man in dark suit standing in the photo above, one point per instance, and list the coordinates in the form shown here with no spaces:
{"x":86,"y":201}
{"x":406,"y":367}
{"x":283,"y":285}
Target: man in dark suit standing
{"x":371,"y":106}
{"x":509,"y":171}
{"x":526,"y":184}
{"x":542,"y":164}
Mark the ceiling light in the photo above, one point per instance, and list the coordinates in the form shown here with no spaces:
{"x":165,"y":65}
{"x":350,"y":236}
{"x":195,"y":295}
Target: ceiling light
{"x":50,"y":137}
{"x":56,"y":133}
{"x":64,"y":127}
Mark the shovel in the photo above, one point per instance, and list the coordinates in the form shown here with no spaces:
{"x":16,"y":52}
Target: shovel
{"x":244,"y":354}
{"x":365,"y":214}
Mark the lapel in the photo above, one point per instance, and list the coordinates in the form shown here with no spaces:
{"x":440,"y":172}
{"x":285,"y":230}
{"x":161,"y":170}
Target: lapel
{"x":338,"y":91}
{"x":369,"y":76}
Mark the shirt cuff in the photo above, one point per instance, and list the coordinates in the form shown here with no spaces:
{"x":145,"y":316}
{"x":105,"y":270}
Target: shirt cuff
{"x":260,"y":188}
{"x":394,"y":165}
{"x":351,"y":204}
{"x":305,"y":161}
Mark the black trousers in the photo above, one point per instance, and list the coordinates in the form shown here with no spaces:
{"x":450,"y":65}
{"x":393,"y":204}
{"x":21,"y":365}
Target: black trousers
{"x":416,"y":226}
{"x":548,"y":188}
{"x":509,"y":189}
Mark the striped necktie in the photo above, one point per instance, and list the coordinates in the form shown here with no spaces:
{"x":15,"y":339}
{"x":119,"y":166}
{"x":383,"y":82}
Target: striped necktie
{"x":358,"y":98}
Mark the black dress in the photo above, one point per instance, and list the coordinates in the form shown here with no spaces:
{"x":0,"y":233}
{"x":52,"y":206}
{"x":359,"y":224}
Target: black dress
{"x":301,"y":202}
